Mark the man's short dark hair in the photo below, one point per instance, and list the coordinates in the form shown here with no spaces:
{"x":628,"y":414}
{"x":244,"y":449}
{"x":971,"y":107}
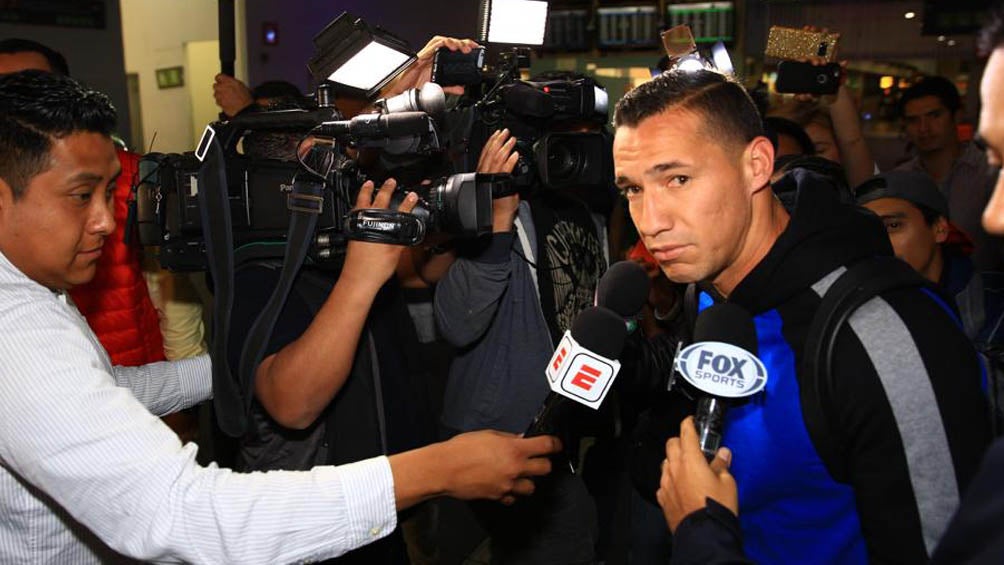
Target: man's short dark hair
{"x":279,"y":91}
{"x":992,"y":35}
{"x":831,"y":170}
{"x":777,"y":126}
{"x":16,"y":45}
{"x":939,"y":87}
{"x":929,"y":214}
{"x":37,"y":107}
{"x":728,"y":112}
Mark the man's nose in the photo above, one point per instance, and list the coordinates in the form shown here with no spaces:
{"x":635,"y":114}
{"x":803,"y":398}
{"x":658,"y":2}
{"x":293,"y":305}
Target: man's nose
{"x":104,"y":217}
{"x":649,"y":219}
{"x":993,"y":215}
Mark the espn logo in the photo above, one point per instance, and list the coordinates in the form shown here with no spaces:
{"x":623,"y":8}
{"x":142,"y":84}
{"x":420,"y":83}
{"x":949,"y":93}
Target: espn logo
{"x":587,"y":379}
{"x":561,"y":354}
{"x":579,"y":374}
{"x":558,"y":358}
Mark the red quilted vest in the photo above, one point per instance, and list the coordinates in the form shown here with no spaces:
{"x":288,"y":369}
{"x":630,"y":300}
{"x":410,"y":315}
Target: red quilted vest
{"x":117,"y":303}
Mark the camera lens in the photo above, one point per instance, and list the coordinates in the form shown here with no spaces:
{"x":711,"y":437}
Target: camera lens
{"x":563,"y":161}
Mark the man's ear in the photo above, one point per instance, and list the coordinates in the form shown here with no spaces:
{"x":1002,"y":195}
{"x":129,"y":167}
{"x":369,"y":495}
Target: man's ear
{"x":6,"y":194}
{"x":759,"y":163}
{"x":940,"y":229}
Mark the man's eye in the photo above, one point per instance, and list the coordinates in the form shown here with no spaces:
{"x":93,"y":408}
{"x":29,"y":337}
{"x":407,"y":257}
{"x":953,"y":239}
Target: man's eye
{"x":628,"y":191}
{"x":893,"y":225}
{"x":679,"y":180}
{"x":83,"y":196}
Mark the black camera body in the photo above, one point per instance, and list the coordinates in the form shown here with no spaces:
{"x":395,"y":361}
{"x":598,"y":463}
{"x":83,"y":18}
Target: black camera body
{"x":168,"y":210}
{"x":261,"y":193}
{"x":558,"y":125}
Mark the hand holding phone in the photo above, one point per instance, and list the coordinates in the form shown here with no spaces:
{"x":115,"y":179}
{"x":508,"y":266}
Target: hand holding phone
{"x":796,"y":44}
{"x":456,"y":68}
{"x":805,"y":78}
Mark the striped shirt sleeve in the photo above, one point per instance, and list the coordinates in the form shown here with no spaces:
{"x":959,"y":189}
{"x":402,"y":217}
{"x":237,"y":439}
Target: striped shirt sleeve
{"x":168,"y":386}
{"x":75,"y":442}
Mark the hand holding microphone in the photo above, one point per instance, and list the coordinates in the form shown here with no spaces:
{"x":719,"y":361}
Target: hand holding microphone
{"x":582,"y":368}
{"x":688,"y":480}
{"x":722,"y":366}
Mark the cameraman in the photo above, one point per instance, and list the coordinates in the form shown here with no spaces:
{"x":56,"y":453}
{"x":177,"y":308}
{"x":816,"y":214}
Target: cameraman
{"x":504,"y":304}
{"x":88,"y":473}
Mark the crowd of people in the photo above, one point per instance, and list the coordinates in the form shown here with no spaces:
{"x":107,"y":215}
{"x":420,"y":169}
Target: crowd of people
{"x":398,"y":376}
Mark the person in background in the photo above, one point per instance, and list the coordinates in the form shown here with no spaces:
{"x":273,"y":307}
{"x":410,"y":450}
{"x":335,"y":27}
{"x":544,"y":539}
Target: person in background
{"x":788,"y":137}
{"x":833,"y":124}
{"x":930,"y":110}
{"x":121,"y":302}
{"x":915,"y":215}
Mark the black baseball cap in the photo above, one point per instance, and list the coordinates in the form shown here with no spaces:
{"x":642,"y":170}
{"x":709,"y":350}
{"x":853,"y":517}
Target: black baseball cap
{"x":913,"y":186}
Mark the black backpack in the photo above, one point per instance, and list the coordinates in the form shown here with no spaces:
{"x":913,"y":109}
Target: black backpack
{"x":863,"y":281}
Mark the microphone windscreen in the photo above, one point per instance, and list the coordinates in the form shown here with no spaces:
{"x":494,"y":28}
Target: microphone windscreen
{"x":601,"y":331}
{"x":405,"y":123}
{"x":623,"y":288}
{"x":432,"y":99}
{"x":727,"y":323}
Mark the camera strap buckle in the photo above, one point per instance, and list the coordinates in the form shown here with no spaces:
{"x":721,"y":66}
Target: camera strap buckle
{"x":305,"y":203}
{"x":306,"y":197}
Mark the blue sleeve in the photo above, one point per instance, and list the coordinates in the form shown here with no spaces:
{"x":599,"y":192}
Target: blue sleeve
{"x":709,"y":536}
{"x":468,"y":297}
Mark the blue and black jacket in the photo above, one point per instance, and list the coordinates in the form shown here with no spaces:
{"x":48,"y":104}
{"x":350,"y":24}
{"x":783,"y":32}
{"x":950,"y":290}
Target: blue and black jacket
{"x":873,"y":472}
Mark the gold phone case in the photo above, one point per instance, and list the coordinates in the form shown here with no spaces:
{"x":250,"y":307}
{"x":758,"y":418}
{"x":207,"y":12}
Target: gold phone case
{"x":678,"y":41}
{"x":796,"y":44}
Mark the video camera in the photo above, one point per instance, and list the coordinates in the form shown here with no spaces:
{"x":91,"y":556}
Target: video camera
{"x":558,"y":122}
{"x":261,"y":193}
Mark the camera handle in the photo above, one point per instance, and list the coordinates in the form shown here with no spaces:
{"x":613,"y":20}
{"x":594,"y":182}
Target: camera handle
{"x":377,"y":225}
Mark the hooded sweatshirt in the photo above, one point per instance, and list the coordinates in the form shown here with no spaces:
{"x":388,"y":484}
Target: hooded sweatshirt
{"x":904,"y":408}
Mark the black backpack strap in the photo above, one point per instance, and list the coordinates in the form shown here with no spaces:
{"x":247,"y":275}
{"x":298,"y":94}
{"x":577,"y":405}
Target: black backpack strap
{"x":860,"y":283}
{"x":305,"y":202}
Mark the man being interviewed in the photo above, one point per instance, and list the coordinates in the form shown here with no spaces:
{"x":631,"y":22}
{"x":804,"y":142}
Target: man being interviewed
{"x":866,"y":465}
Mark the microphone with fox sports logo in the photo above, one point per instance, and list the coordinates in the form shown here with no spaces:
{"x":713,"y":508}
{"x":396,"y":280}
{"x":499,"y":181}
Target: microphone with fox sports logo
{"x":582,"y":368}
{"x":722,"y":366}
{"x":624,"y":289}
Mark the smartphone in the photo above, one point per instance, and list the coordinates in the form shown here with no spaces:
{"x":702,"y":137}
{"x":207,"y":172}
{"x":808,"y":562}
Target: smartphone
{"x":793,"y":44}
{"x":456,"y":68}
{"x":805,"y":78}
{"x":678,"y":41}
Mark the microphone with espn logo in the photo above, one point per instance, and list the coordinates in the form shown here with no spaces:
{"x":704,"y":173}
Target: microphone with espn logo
{"x":583,"y":367}
{"x":722,"y":365}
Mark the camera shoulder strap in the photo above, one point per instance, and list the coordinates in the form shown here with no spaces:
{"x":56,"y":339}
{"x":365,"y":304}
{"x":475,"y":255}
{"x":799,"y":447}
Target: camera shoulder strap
{"x":214,"y":212}
{"x":305,"y":203}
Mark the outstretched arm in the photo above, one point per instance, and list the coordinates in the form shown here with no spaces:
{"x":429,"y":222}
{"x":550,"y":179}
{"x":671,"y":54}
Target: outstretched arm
{"x":296,"y":383}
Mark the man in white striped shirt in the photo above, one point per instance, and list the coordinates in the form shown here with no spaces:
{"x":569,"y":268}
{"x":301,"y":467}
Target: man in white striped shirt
{"x":87,"y":471}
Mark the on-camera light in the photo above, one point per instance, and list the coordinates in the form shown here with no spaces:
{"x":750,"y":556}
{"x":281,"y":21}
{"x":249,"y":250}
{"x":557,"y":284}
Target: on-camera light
{"x":517,"y":22}
{"x":350,"y":53}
